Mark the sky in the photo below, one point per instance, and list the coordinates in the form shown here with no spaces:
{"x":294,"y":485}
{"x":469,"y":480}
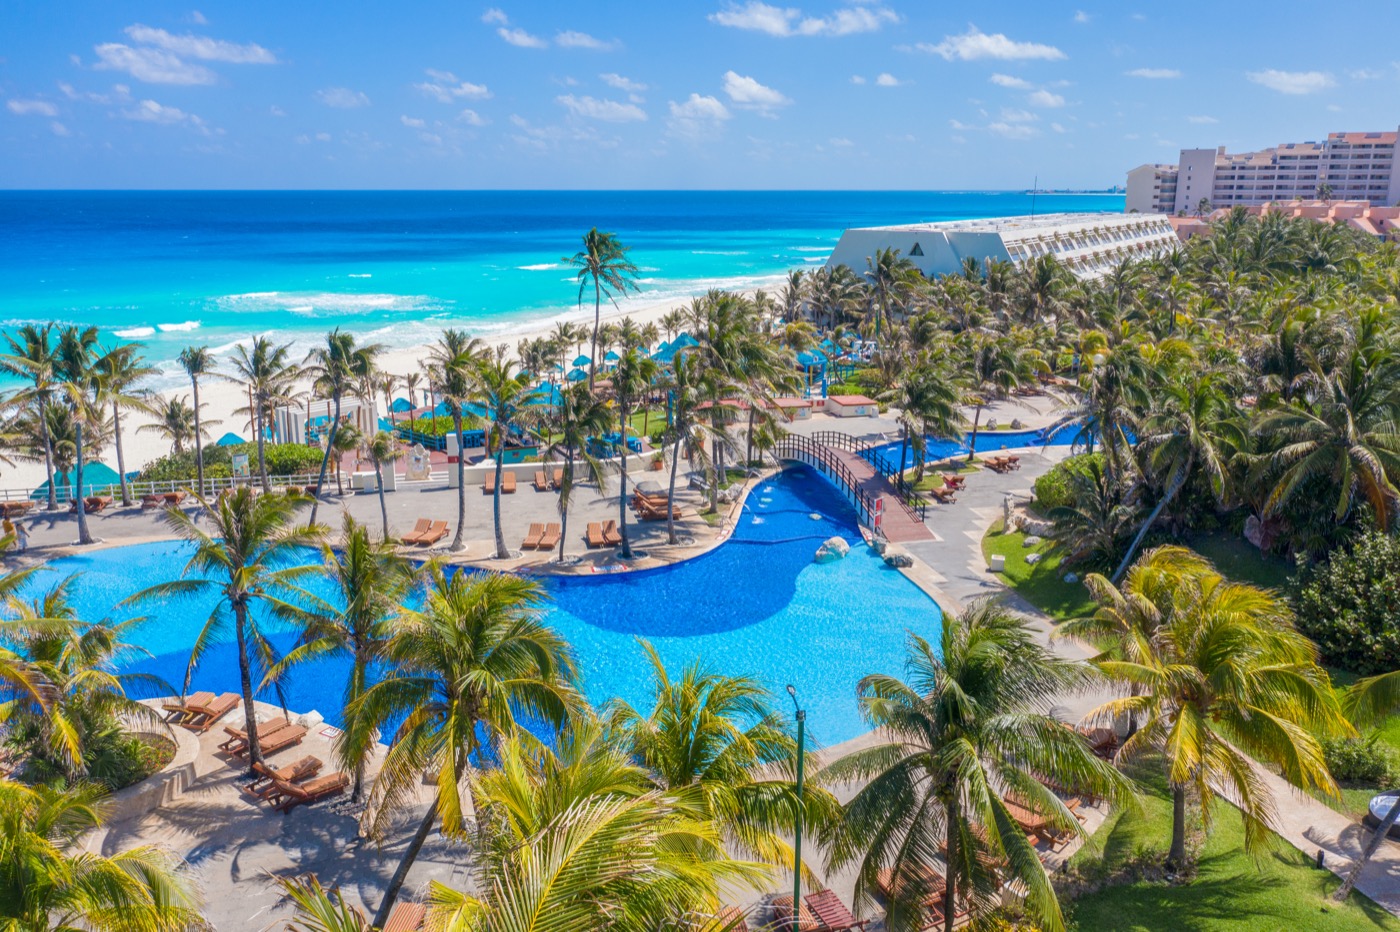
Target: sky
{"x":683,"y":94}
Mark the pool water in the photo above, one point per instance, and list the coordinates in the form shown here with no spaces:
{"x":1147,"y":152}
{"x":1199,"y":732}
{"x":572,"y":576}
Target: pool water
{"x":941,"y":448}
{"x":756,"y":605}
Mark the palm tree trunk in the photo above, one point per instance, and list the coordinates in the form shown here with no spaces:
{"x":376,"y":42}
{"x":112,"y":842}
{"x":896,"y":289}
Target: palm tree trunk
{"x":972,"y":441}
{"x":1151,"y":519}
{"x":563,"y":501}
{"x":950,"y":879}
{"x":379,"y":484}
{"x":415,"y":845}
{"x":1176,"y":857}
{"x":262,"y":455}
{"x":748,"y":441}
{"x":121,"y":459}
{"x":245,"y":682}
{"x":597,"y":321}
{"x":671,"y":492}
{"x":714,"y":474}
{"x":84,"y":537}
{"x":458,"y":539}
{"x":198,"y":441}
{"x":501,"y":552}
{"x":1382,"y":832}
{"x":48,"y":457}
{"x":626,"y":553}
{"x":357,"y":689}
{"x":325,"y":460}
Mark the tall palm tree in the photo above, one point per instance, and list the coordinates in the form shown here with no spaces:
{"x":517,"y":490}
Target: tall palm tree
{"x":687,"y":435}
{"x":119,"y":371}
{"x":506,"y":396}
{"x":247,"y":556}
{"x":1224,"y":675}
{"x":578,"y":416}
{"x":634,"y":376}
{"x":892,"y":278}
{"x":370,"y":581}
{"x":969,"y":727}
{"x":472,"y":656}
{"x":198,"y":362}
{"x":1370,"y":702}
{"x":602,"y":261}
{"x":74,"y":357}
{"x":177,"y":422}
{"x":266,"y":369}
{"x":31,"y":358}
{"x":383,"y":450}
{"x":995,"y":366}
{"x":336,"y":370}
{"x":48,"y":880}
{"x":455,"y":357}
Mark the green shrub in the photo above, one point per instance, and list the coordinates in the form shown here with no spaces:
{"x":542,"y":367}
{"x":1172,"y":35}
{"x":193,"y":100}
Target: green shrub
{"x":284,"y":459}
{"x":180,"y":467}
{"x":1054,"y":489}
{"x":1350,"y":605}
{"x":1367,"y":761}
{"x":657,"y":436}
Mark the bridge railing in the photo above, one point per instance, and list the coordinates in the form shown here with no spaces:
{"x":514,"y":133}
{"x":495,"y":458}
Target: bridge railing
{"x":819,"y":457}
{"x":914,"y":503}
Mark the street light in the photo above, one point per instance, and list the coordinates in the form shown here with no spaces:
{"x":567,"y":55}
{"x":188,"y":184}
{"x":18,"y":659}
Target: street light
{"x":797,"y":843}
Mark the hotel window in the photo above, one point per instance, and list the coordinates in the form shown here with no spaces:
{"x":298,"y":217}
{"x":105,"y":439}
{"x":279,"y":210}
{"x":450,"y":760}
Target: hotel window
{"x":917,"y":250}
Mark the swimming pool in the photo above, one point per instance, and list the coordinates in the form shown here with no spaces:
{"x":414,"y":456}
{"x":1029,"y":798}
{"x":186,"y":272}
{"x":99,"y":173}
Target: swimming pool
{"x":756,"y":605}
{"x":941,"y":448}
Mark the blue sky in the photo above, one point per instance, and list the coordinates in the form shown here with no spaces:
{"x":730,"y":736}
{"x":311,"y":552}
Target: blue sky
{"x":713,"y":94}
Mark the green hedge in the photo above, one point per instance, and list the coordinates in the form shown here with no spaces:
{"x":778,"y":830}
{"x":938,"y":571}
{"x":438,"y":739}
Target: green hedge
{"x":283,"y":459}
{"x":1054,"y":489}
{"x":439,"y":426}
{"x":1350,"y":605}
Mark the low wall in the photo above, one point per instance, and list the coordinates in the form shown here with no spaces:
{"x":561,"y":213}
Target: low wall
{"x":166,"y":785}
{"x":476,"y":474}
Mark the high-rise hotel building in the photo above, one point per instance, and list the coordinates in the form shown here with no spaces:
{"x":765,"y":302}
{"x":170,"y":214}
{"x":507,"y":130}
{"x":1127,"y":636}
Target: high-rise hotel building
{"x":1356,"y":166}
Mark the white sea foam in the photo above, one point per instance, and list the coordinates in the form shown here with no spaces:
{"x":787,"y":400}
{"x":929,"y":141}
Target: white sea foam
{"x":812,"y":248}
{"x":134,"y":333}
{"x":541,"y":267}
{"x":719,"y":252}
{"x":326,"y":304}
{"x":182,"y":327}
{"x":360,"y":275}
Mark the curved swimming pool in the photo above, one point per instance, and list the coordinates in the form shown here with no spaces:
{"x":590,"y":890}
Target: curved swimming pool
{"x":755,"y":605}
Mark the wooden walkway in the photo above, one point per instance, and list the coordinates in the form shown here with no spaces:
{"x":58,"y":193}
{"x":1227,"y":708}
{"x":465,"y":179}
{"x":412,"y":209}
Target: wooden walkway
{"x":898,"y":525}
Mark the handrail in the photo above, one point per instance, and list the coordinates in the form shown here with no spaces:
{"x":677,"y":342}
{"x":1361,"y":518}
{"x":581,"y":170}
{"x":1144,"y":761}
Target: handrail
{"x":817,"y":455}
{"x":914,"y":503}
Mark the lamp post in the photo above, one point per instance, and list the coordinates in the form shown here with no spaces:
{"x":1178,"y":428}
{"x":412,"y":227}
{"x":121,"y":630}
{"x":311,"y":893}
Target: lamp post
{"x":797,"y":834}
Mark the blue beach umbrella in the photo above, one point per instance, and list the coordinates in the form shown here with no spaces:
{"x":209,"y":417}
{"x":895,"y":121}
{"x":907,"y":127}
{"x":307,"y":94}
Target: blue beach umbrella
{"x":582,"y":360}
{"x":611,"y":357}
{"x":229,"y":440}
{"x":576,"y":375}
{"x":401,"y":405}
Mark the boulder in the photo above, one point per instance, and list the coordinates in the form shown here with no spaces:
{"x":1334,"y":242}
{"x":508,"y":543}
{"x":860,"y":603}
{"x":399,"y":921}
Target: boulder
{"x":310,"y":719}
{"x":1033,"y":558}
{"x":1031,"y":541}
{"x":831,"y":550}
{"x":1016,"y":423}
{"x":1254,"y":530}
{"x":898,"y":559}
{"x":879,"y":545}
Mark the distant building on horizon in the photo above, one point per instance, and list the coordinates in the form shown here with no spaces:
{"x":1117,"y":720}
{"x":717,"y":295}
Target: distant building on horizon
{"x":1088,"y":244}
{"x":1355,"y":166}
{"x":1373,"y":220}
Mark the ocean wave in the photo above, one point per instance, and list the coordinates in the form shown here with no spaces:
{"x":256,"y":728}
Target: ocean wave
{"x":541,"y":267}
{"x":182,"y":327}
{"x":812,"y":248}
{"x":326,"y":304}
{"x":360,"y":275}
{"x":134,"y":333}
{"x":719,"y":252}
{"x":814,"y":259}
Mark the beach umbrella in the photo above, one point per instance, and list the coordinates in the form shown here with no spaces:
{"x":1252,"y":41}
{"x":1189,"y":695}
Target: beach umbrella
{"x":401,"y":405}
{"x":227,"y":440}
{"x":576,"y":375}
{"x":582,"y":360}
{"x":96,"y":475}
{"x":611,"y":357}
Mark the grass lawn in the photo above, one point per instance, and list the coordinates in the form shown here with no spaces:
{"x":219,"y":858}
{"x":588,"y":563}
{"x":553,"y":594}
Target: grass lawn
{"x":1232,"y":891}
{"x":1355,"y":799}
{"x":1038,"y":584}
{"x":1240,"y":560}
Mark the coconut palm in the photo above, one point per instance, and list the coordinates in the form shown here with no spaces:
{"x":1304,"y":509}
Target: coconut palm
{"x":49,"y":880}
{"x":382,"y":450}
{"x":506,"y":396}
{"x":578,"y":416}
{"x":336,"y":370}
{"x":119,"y":371}
{"x":1225,"y":678}
{"x":602,"y":261}
{"x":472,"y":657}
{"x":319,"y":909}
{"x":1369,"y":702}
{"x":249,"y":554}
{"x":892,"y":278}
{"x":347,"y":440}
{"x":265,"y":368}
{"x":74,"y":359}
{"x":969,"y":727}
{"x":634,"y":376}
{"x":687,"y":435}
{"x":456,"y":358}
{"x":177,"y":422}
{"x":995,"y":367}
{"x":31,"y":358}
{"x":198,"y":362}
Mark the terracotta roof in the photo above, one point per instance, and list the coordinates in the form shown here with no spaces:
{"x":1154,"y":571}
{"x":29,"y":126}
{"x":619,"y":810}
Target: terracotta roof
{"x":851,"y":399}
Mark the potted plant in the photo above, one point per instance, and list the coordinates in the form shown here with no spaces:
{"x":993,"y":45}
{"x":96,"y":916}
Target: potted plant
{"x":658,"y":461}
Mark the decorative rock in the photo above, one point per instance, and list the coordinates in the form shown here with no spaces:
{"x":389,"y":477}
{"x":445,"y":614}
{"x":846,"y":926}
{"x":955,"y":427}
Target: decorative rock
{"x":880,"y":545}
{"x":898,"y":559}
{"x":1254,"y":530}
{"x":1016,"y":423}
{"x":310,"y":719}
{"x":991,"y":423}
{"x":831,"y":550}
{"x":1031,"y":541}
{"x":1033,"y":558}
{"x":1071,"y":577}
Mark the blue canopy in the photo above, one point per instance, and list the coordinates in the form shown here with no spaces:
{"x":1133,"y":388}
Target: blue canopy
{"x":546,"y":393}
{"x":401,"y":406}
{"x":582,"y":360}
{"x":668,"y":355}
{"x":611,"y":357}
{"x":95,"y":476}
{"x":810,"y":359}
{"x":576,"y":375}
{"x":229,"y":440}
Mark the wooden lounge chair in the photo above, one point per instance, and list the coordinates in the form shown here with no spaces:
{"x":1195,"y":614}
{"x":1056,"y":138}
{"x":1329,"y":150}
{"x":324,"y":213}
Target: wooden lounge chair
{"x":651,"y":512}
{"x":98,"y":503}
{"x":279,"y":740}
{"x":944,"y":496}
{"x":954,"y":482}
{"x":507,"y":483}
{"x":541,"y":481}
{"x":435,"y":532}
{"x":488,"y":485}
{"x":207,"y":716}
{"x":532,"y":539}
{"x":550,"y":539}
{"x":832,"y":914}
{"x":1012,"y":462}
{"x":174,"y":498}
{"x":558,"y":479}
{"x":612,"y":537}
{"x":298,"y":770}
{"x":419,"y":529}
{"x":930,"y":884}
{"x":311,"y":791}
{"x":406,"y":917}
{"x":179,"y":710}
{"x":149,"y":502}
{"x":732,"y":919}
{"x":15,"y":509}
{"x":595,"y":534}
{"x":782,"y":917}
{"x":238,"y":737}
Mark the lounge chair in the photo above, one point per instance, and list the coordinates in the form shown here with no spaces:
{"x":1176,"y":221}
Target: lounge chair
{"x":179,"y":710}
{"x":731,"y":918}
{"x":238,"y":737}
{"x":1012,"y":462}
{"x":944,"y":496}
{"x":930,"y":883}
{"x":782,"y":917}
{"x":954,"y":482}
{"x":550,"y":539}
{"x":488,"y":485}
{"x":174,"y":498}
{"x":149,"y":502}
{"x":419,"y":529}
{"x":647,"y":511}
{"x":541,"y":481}
{"x":311,"y":791}
{"x":435,"y":532}
{"x":1102,"y":741}
{"x":595,"y":534}
{"x":406,"y":917}
{"x":532,"y":539}
{"x":15,"y":509}
{"x":279,"y":740}
{"x":558,"y":480}
{"x":612,"y":537}
{"x":298,"y":770}
{"x":832,"y":914}
{"x":207,"y":716}
{"x":507,"y":483}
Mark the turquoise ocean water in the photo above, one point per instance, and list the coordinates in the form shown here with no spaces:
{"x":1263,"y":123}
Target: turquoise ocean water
{"x":174,"y":268}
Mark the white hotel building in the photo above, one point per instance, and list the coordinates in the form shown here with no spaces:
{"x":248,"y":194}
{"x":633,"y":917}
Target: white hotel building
{"x":1088,"y":244}
{"x":1357,"y":167}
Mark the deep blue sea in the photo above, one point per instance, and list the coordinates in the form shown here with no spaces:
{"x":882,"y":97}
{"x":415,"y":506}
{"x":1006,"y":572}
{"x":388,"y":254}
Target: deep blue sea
{"x":212,"y":268}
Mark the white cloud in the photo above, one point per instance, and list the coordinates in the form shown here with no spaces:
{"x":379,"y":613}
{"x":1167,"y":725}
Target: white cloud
{"x":1365,"y":74}
{"x":609,"y":111}
{"x":323,"y":137}
{"x":471,"y":117}
{"x":447,"y":87}
{"x":148,"y":111}
{"x":154,"y":66}
{"x":887,"y":80}
{"x":521,"y":38}
{"x":975,"y":44}
{"x":1333,"y":108}
{"x":857,"y":79}
{"x":569,"y":39}
{"x":412,"y":121}
{"x":1043,"y":98}
{"x":58,"y":129}
{"x":495,"y":16}
{"x":197,"y":18}
{"x":789,"y":21}
{"x":1058,"y":127}
{"x":1081,"y":17}
{"x":840,"y":142}
{"x":277,"y":111}
{"x":1012,"y":115}
{"x":1201,"y":119}
{"x":748,"y":94}
{"x":1013,"y":130}
{"x":342,"y":98}
{"x":1006,"y":80}
{"x":697,"y":116}
{"x":1293,"y":82}
{"x":121,"y":93}
{"x":1154,"y":74}
{"x":32,"y":108}
{"x":202,"y":47}
{"x":621,"y":83}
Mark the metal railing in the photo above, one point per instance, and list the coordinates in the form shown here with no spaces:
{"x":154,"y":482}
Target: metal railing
{"x":819,"y":457}
{"x":904,"y":492}
{"x":212,"y":486}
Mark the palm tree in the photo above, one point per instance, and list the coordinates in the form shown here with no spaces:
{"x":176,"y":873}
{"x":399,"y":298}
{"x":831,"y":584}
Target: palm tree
{"x":455,"y":356}
{"x":31,"y":357}
{"x":994,"y":368}
{"x":177,"y":422}
{"x":74,"y":357}
{"x":578,"y":416}
{"x":969,"y":728}
{"x":687,"y":434}
{"x":1224,"y":675}
{"x":319,"y":910}
{"x":48,"y":880}
{"x":336,"y":370}
{"x":248,"y":555}
{"x":197,"y":362}
{"x":472,"y":656}
{"x":634,"y":375}
{"x":119,"y":370}
{"x":347,"y":440}
{"x":506,"y":396}
{"x":264,"y":367}
{"x":603,"y":261}
{"x":1371,"y":701}
{"x":891,"y":278}
{"x":382,"y":448}
{"x":370,"y":582}
{"x":672,"y":322}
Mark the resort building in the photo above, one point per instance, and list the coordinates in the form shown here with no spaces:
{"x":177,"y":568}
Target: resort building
{"x":1088,"y":244}
{"x":1354,"y":166}
{"x":1380,"y":222}
{"x":852,"y":406}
